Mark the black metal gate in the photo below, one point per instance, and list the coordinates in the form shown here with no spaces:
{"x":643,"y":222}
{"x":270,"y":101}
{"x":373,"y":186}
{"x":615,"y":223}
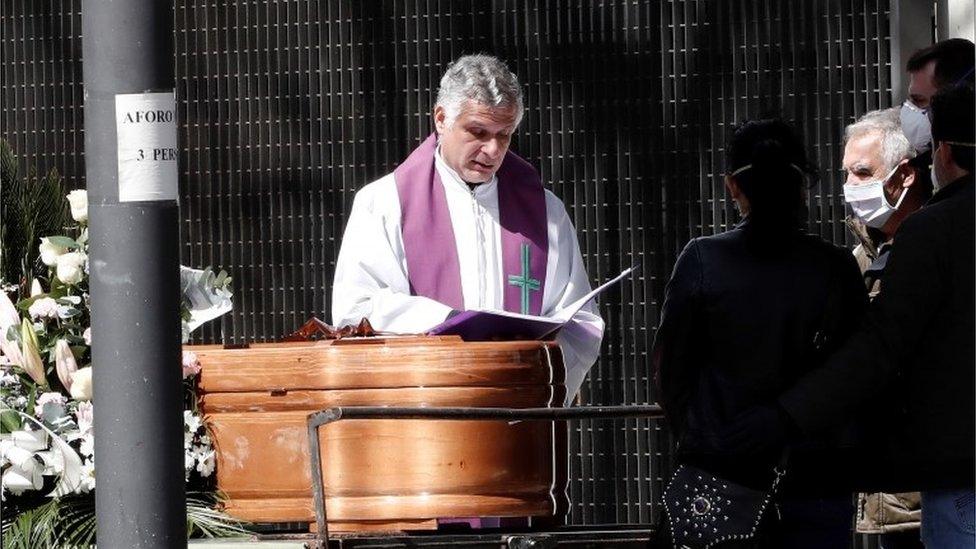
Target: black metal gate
{"x":289,"y":106}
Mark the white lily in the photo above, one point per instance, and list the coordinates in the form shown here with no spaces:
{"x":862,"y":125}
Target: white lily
{"x":31,"y":361}
{"x":32,"y":441}
{"x":9,"y":317}
{"x":62,"y":457}
{"x":53,"y":461}
{"x":65,"y":361}
{"x":20,"y":478}
{"x":87,"y":473}
{"x":8,"y":313}
{"x":17,"y":450}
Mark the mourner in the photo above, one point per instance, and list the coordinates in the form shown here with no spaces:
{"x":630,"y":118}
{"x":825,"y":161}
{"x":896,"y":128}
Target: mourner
{"x":882,"y":188}
{"x":915,"y":346}
{"x":936,"y":67}
{"x":940,"y":66}
{"x":897,"y":517}
{"x":746,"y":312}
{"x":465,"y":223}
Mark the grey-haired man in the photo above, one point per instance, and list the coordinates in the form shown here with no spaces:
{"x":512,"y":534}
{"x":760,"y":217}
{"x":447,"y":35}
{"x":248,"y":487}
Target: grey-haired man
{"x":463,"y":223}
{"x":883,"y":188}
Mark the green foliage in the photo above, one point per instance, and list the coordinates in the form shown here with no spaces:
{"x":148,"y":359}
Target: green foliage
{"x":204,"y":520}
{"x":69,"y":522}
{"x":30,"y":207}
{"x":76,"y":522}
{"x":31,"y":528}
{"x":64,"y":522}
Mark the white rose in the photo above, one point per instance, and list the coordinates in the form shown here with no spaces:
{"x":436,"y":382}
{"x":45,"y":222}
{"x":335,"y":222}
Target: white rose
{"x":79,"y":205}
{"x":71,"y":267}
{"x":50,"y":252}
{"x":81,"y":384}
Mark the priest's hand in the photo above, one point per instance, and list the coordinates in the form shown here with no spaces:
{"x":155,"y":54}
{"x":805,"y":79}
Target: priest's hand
{"x":759,"y":430}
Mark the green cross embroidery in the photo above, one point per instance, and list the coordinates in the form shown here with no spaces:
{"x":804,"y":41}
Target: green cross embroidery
{"x":524,"y":281}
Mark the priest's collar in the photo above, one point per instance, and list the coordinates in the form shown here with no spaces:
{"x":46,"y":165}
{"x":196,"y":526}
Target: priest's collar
{"x":479,"y":189}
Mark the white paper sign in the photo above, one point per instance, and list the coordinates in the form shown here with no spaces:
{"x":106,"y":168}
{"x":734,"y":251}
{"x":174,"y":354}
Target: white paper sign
{"x":146,"y":125}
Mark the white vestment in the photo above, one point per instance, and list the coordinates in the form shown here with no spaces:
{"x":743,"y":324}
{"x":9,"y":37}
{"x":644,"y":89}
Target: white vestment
{"x":371,"y":272}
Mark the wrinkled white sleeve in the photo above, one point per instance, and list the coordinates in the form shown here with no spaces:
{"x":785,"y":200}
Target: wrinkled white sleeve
{"x":371,"y":271}
{"x":566,"y":281}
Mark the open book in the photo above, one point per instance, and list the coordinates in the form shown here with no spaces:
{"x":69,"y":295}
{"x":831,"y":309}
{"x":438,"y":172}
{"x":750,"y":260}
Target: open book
{"x":503,"y":325}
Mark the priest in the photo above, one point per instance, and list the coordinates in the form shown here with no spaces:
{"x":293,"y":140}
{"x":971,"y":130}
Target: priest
{"x":464,"y":223}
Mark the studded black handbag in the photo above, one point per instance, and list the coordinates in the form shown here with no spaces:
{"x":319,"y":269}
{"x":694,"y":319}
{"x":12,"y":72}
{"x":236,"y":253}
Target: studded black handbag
{"x":704,"y":510}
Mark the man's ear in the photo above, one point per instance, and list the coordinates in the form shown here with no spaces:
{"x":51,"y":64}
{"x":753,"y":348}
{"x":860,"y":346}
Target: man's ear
{"x":906,"y":173}
{"x":440,"y":119}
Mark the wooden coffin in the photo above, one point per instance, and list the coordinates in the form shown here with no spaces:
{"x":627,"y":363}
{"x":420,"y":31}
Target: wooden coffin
{"x":385,"y":474}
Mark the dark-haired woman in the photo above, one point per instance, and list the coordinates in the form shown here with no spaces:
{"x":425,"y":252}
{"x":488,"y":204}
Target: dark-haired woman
{"x":745,"y":314}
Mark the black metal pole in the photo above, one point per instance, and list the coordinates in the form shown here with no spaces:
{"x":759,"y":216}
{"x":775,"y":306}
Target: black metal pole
{"x":134,"y":265}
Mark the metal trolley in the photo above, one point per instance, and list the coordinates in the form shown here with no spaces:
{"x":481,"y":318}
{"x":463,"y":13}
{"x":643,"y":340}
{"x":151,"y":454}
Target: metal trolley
{"x":515,"y":538}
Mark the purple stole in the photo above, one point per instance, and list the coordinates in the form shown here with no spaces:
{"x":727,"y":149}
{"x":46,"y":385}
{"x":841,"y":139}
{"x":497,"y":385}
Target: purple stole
{"x":428,"y":236}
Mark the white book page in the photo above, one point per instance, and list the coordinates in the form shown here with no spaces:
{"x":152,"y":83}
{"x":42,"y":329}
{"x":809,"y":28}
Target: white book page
{"x":566,"y":313}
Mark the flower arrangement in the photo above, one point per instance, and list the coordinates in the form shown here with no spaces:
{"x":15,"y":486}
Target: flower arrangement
{"x":47,"y":461}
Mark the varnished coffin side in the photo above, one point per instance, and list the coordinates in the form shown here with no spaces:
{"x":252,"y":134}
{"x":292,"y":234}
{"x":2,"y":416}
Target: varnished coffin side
{"x":384,"y":471}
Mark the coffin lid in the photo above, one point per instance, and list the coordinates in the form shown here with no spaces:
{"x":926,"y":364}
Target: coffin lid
{"x":377,"y":363}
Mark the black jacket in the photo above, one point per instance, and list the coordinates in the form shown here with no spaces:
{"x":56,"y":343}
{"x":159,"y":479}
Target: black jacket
{"x":740,"y":314}
{"x":916,"y":348}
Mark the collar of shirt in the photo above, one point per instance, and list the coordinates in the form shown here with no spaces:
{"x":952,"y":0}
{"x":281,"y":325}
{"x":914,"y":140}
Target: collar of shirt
{"x":451,"y":178}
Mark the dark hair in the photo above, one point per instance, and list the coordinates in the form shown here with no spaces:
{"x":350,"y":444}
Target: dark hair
{"x":953,"y":59}
{"x":774,"y":183}
{"x":952,"y":115}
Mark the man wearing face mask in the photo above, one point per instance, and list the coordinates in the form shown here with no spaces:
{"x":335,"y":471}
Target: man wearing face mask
{"x":882,"y":188}
{"x":915,"y":348}
{"x":939,"y":66}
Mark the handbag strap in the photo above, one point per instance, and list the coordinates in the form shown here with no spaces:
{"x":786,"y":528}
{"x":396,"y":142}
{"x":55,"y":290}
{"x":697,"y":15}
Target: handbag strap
{"x":780,"y":469}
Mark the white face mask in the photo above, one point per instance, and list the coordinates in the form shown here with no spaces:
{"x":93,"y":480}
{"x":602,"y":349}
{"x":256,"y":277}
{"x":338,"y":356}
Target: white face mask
{"x":916,"y":126}
{"x":869,"y":202}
